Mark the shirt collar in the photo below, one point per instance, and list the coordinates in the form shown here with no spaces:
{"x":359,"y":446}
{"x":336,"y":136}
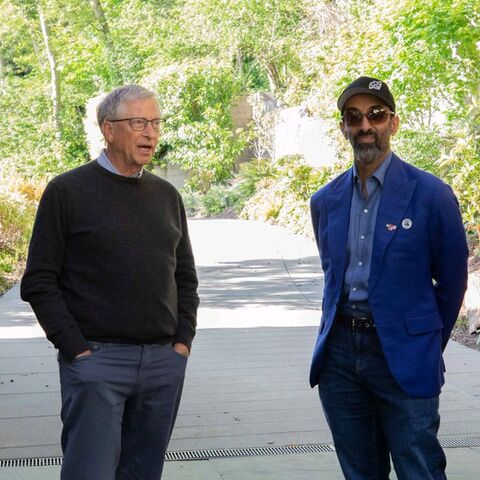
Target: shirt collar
{"x":379,"y":173}
{"x":104,"y":162}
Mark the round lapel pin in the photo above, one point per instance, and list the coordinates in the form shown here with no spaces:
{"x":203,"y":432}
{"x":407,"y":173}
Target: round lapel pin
{"x":407,"y":223}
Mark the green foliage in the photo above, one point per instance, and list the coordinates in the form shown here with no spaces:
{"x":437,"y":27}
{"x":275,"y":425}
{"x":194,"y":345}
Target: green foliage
{"x":282,"y":198}
{"x":195,"y":103}
{"x":421,"y":147}
{"x":259,"y":37}
{"x":250,"y":174}
{"x":216,"y":200}
{"x":461,"y":169}
{"x":31,"y":143}
{"x":229,"y":196}
{"x":17,"y":210}
{"x":213,"y":202}
{"x":442,"y":37}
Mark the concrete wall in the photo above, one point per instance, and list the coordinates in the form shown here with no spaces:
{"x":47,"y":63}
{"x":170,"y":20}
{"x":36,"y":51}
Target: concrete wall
{"x":173,"y":174}
{"x":241,"y":118}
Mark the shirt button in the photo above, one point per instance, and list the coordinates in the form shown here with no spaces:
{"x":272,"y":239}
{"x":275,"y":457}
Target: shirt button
{"x":365,"y":210}
{"x":360,"y":263}
{"x":362,"y":237}
{"x":354,"y":289}
{"x":354,"y":307}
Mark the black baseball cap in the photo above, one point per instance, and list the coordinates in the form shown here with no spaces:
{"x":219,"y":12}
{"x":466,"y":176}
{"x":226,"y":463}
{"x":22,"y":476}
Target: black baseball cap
{"x":369,"y":85}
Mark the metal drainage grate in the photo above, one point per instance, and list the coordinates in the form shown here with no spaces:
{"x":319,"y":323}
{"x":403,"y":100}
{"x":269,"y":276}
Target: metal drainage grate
{"x":246,"y":452}
{"x":232,"y":453}
{"x":31,"y":462}
{"x":460,"y":442}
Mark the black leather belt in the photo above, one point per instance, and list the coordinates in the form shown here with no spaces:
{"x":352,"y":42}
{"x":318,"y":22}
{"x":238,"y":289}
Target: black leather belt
{"x":356,"y":323}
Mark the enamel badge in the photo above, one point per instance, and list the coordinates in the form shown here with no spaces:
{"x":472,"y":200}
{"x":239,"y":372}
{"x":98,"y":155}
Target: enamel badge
{"x":407,"y":223}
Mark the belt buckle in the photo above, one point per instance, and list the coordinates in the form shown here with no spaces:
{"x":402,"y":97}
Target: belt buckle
{"x":362,"y":321}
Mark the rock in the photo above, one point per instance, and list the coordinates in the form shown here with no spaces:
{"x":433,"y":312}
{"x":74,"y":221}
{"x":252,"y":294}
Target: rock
{"x":471,"y":304}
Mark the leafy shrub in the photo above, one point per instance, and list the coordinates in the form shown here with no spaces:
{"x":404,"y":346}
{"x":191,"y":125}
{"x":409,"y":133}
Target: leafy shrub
{"x":283,"y":197}
{"x":196,"y":106}
{"x":231,"y":195}
{"x":460,"y":167}
{"x":216,"y":200}
{"x":17,"y":210}
{"x":420,"y":147}
{"x":453,"y":155}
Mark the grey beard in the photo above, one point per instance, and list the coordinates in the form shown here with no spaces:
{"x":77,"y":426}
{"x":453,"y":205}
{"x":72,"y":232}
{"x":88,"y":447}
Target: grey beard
{"x":367,"y":154}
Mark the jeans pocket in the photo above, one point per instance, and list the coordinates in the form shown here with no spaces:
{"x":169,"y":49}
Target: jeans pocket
{"x":180,"y":355}
{"x":94,"y":347}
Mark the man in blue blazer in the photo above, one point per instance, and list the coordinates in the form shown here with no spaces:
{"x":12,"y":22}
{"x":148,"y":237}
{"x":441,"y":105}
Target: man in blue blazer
{"x":394,"y":255}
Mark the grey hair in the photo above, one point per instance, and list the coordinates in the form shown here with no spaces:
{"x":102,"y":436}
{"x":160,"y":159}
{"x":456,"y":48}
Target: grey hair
{"x":108,"y":107}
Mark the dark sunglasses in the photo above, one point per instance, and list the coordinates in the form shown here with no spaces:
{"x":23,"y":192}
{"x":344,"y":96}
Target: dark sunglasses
{"x":376,"y":115}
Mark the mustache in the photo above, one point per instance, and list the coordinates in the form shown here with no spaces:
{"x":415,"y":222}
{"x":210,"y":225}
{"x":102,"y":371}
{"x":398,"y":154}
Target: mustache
{"x":365,"y":133}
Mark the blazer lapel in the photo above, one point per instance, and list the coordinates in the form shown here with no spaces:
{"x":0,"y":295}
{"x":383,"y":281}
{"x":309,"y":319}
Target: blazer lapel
{"x":396,"y":195}
{"x":338,"y":210}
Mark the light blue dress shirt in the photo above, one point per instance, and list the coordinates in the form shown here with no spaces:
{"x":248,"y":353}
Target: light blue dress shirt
{"x":363,"y":216}
{"x":104,"y":162}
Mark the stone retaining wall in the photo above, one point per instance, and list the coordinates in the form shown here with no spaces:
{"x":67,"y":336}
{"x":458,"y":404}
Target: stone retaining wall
{"x":471,"y":304}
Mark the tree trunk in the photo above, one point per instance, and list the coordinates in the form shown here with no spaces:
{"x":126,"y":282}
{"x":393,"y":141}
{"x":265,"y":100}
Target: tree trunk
{"x":239,"y":62}
{"x":273,"y":76}
{"x":107,"y":37}
{"x":54,"y":80}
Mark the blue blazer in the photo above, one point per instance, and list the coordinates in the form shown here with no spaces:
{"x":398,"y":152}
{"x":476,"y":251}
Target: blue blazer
{"x":418,"y":275}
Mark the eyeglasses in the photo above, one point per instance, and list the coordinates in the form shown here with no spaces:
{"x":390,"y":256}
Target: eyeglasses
{"x":376,"y":115}
{"x":140,"y":124}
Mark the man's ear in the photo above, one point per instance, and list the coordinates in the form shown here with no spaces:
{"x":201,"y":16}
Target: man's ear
{"x":107,"y":131}
{"x":342,"y":128}
{"x":395,"y":124}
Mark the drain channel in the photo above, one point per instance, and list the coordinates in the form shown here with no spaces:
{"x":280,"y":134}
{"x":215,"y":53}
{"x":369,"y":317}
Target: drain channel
{"x":31,"y":462}
{"x":247,"y":452}
{"x":232,"y":453}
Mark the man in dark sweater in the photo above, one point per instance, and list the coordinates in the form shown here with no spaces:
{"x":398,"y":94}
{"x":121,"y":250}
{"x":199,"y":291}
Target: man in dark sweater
{"x":111,"y":278}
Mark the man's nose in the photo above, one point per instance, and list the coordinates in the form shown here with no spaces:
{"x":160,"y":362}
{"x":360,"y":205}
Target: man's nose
{"x":365,"y":123}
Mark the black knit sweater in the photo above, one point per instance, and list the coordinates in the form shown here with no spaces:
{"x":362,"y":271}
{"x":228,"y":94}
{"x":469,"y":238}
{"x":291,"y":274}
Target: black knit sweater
{"x":110,"y":259}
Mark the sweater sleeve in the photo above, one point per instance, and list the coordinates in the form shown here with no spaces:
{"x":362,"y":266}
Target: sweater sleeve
{"x":40,"y":283}
{"x":187,"y":283}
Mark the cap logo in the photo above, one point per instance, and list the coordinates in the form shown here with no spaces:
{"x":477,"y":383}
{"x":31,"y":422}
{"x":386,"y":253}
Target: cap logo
{"x":375,"y":85}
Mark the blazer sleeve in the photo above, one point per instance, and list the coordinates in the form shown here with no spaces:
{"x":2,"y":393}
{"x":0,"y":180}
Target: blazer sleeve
{"x":449,"y":249}
{"x":315,"y":214}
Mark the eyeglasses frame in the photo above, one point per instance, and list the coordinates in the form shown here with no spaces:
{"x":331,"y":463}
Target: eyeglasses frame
{"x":145,"y":121}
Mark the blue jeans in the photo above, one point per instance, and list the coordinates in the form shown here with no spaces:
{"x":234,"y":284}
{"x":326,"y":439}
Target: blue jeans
{"x":371,"y":418}
{"x":118,"y":409}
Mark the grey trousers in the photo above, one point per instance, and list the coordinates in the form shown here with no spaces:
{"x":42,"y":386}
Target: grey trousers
{"x":118,"y":410}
